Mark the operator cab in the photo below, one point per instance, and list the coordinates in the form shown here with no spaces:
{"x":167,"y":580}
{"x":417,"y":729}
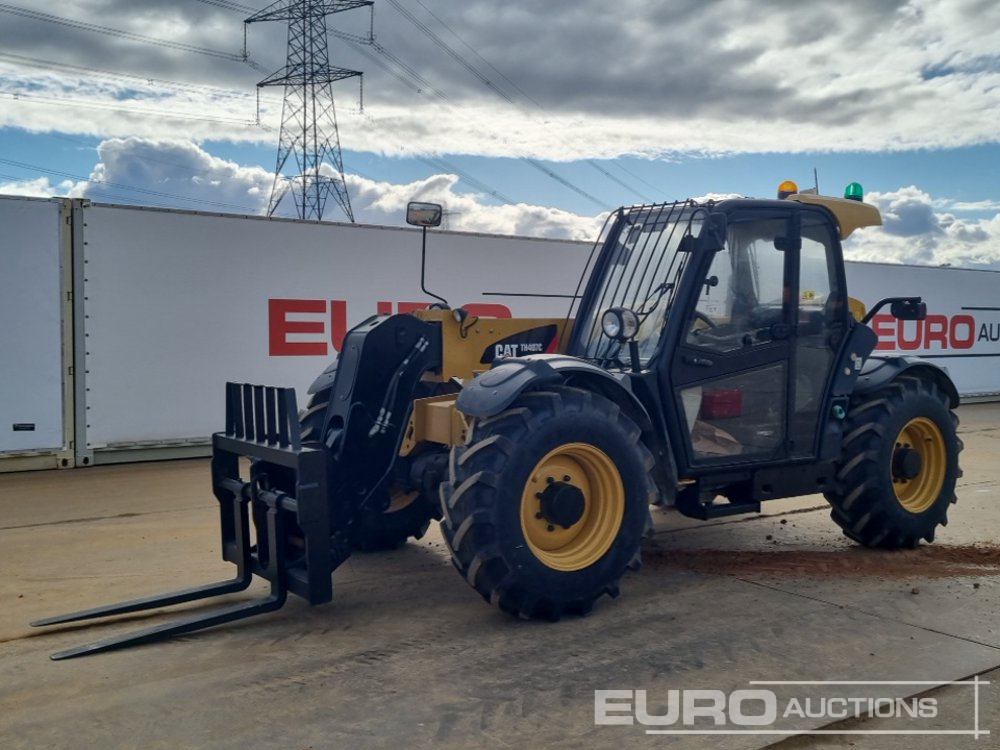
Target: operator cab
{"x":731,"y":317}
{"x":761,"y":335}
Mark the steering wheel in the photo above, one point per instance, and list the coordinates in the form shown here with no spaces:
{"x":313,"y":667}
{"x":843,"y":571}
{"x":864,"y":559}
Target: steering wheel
{"x":700,"y":316}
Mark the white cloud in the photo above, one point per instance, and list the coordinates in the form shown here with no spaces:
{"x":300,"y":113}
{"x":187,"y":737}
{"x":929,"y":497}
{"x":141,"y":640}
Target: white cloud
{"x":176,"y":173}
{"x":41,"y":187}
{"x":915,"y":231}
{"x":385,"y":203}
{"x":181,"y":173}
{"x":985,"y":205}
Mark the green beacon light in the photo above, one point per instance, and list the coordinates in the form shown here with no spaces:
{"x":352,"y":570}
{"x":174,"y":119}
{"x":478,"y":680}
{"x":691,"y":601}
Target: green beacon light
{"x":854,"y":192}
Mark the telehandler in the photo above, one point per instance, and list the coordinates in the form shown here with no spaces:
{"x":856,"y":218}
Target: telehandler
{"x":711,"y":360}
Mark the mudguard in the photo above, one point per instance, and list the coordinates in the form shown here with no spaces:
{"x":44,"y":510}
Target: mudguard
{"x":879,"y":371}
{"x":495,"y":390}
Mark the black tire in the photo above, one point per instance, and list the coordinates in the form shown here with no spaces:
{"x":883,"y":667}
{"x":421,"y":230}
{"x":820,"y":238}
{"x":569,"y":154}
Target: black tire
{"x":408,"y":513}
{"x":885,"y":497}
{"x":489,"y":517}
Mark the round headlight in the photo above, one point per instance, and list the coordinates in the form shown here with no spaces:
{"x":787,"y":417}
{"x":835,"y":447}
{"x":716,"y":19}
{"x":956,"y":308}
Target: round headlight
{"x":620,"y":323}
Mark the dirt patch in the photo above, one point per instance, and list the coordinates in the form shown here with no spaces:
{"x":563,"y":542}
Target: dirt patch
{"x":927,"y":561}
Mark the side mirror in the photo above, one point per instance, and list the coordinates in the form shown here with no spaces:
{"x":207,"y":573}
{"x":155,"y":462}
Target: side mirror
{"x":424,"y":214}
{"x":902,"y":308}
{"x":908,"y":309}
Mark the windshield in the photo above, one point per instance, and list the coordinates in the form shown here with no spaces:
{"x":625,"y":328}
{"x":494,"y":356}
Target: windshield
{"x":642,"y":272}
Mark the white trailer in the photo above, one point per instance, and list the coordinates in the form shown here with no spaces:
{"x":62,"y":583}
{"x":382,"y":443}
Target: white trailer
{"x":35,"y":334}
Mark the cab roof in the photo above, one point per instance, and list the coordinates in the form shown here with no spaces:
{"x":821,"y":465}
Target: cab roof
{"x":850,"y":214}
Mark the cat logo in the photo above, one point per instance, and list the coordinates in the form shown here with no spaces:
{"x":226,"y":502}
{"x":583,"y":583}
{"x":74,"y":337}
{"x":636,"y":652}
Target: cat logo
{"x":533,"y":341}
{"x":516,"y":350}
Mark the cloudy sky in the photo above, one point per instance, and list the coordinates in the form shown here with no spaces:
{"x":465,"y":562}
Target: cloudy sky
{"x":528,"y":117}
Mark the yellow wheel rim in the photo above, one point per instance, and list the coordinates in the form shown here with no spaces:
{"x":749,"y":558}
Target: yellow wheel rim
{"x":918,"y":493}
{"x":399,"y":500}
{"x":594,"y":474}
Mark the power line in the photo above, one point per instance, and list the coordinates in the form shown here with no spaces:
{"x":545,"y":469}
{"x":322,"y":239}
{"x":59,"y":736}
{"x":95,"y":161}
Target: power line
{"x":483,"y":79}
{"x":551,"y":173}
{"x":611,"y":177}
{"x":66,"y":102}
{"x":38,"y":63}
{"x":483,"y":59}
{"x":132,"y":36}
{"x":439,"y":163}
{"x":146,"y":201}
{"x":224,"y":4}
{"x":561,"y":180}
{"x":629,"y":172}
{"x":531,"y":162}
{"x":449,"y":51}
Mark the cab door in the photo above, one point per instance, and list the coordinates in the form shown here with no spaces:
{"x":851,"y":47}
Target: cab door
{"x":730,"y":377}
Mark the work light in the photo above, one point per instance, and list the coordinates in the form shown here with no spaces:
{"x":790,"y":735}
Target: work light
{"x":620,"y":323}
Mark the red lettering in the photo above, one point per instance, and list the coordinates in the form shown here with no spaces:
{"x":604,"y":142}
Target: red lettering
{"x":338,"y":322}
{"x":958,"y":332}
{"x":936,"y":331}
{"x":904,"y":343}
{"x":970,"y":328}
{"x":383,"y":307}
{"x":279,"y":327}
{"x":883,"y":326}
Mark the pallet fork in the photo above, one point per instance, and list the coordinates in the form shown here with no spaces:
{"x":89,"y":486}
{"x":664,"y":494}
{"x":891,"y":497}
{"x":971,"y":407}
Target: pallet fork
{"x":285,"y":498}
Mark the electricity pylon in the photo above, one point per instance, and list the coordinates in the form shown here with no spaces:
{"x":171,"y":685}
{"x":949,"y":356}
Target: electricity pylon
{"x":309,"y":131}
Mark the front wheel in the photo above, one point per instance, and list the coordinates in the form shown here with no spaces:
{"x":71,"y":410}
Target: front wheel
{"x":897,"y":473}
{"x":546,"y":506}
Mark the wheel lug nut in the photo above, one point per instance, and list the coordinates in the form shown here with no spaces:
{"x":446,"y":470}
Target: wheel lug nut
{"x":566,"y":477}
{"x":551,"y":527}
{"x":550,"y":480}
{"x":539,"y":515}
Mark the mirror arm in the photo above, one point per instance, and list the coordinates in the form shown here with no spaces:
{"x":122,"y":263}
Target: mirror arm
{"x":423,"y":269}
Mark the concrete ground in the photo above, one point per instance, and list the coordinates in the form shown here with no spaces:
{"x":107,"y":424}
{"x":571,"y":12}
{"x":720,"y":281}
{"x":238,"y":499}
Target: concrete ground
{"x":408,"y":655}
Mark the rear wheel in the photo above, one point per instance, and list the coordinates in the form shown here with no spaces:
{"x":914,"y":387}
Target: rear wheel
{"x":407,"y":512}
{"x":546,"y":506}
{"x":896,"y":477}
